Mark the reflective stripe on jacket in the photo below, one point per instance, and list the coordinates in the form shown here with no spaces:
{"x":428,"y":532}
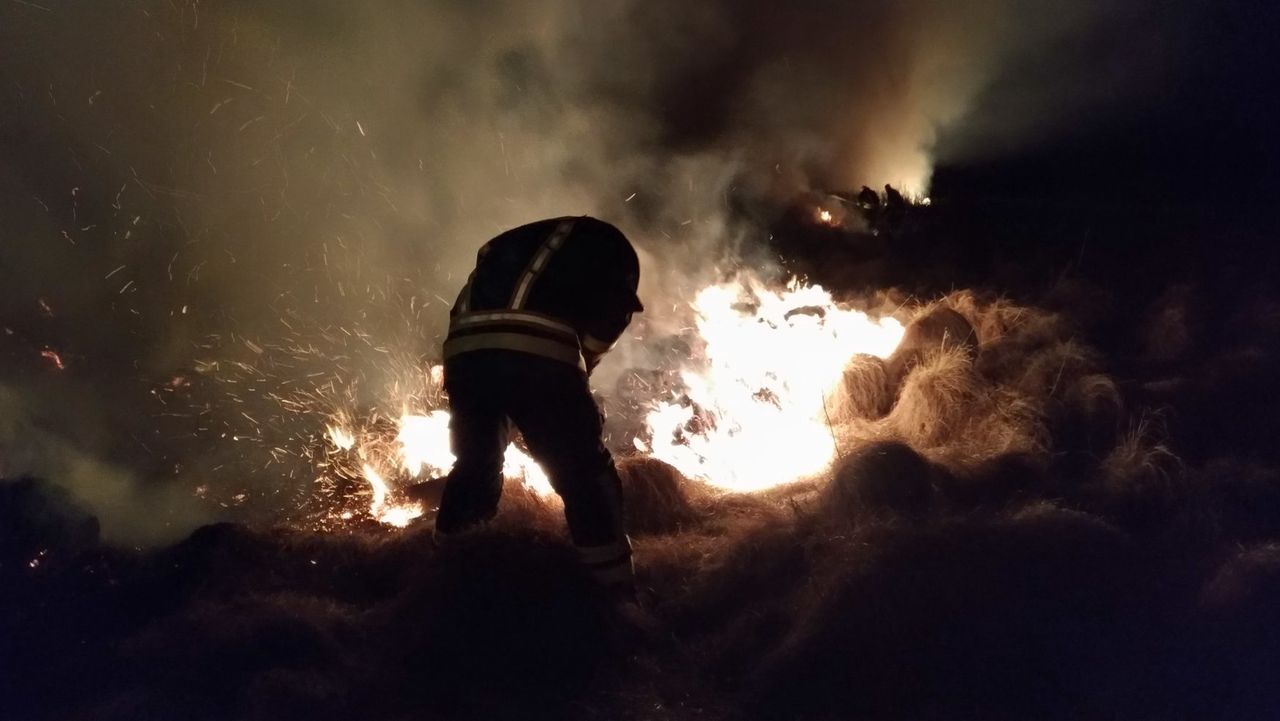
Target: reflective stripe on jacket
{"x":569,"y":301}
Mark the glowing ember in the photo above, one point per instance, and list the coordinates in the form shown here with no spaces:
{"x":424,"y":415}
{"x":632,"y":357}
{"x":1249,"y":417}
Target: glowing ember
{"x":54,"y":358}
{"x":824,"y":216}
{"x":753,"y":416}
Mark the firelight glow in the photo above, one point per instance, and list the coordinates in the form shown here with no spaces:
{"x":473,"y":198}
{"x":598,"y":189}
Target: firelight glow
{"x":753,"y":416}
{"x":421,"y":451}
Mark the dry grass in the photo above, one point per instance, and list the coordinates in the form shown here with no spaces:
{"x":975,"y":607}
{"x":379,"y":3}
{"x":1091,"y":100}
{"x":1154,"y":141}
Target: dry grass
{"x":937,"y":399}
{"x":864,"y":392}
{"x":656,"y":497}
{"x":886,"y":476}
{"x":988,"y":542}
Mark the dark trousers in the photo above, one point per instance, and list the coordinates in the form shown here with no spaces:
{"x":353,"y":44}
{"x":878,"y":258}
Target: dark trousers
{"x":550,"y":402}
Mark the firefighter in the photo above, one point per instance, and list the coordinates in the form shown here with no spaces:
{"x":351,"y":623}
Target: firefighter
{"x":895,"y":207}
{"x":545,"y":302}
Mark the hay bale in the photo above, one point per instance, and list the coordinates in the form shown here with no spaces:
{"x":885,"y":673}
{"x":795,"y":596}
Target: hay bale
{"x":655,"y":496}
{"x":1237,"y":613}
{"x":882,"y":476}
{"x":1097,"y":398}
{"x":864,"y":391}
{"x":1144,"y":486}
{"x":1250,"y":578}
{"x":1049,"y":370}
{"x":937,"y":398}
{"x":935,"y":328}
{"x":992,"y":482}
{"x":1169,"y":328}
{"x":1085,"y":419}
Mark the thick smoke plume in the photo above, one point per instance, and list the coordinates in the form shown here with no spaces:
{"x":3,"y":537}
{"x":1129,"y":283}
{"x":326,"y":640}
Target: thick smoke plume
{"x":196,"y":192}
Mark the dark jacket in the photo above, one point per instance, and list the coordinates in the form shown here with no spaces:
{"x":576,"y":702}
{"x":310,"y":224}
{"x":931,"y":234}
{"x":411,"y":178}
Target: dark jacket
{"x":563,"y":288}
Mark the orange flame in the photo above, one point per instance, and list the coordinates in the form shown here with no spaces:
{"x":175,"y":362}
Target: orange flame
{"x":754,"y":416}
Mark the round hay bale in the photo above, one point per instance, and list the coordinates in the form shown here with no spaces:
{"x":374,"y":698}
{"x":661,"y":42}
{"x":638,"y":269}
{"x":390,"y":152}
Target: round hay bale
{"x":1250,"y":578}
{"x":937,"y":399}
{"x":1096,"y":398}
{"x":864,"y":390}
{"x":888,"y":475}
{"x":1237,"y":615}
{"x":655,"y":496}
{"x":993,"y":481}
{"x":936,"y":328}
{"x":1085,"y":422}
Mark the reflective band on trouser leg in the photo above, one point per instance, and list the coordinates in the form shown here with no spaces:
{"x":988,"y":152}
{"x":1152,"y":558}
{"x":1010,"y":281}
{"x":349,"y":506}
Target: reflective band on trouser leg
{"x":539,"y":261}
{"x":610,"y":564}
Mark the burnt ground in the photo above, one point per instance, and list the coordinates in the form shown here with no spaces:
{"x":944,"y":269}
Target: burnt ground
{"x":1123,"y":564}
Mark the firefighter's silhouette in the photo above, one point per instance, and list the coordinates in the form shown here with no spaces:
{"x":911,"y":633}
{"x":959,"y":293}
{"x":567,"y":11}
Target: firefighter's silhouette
{"x":545,"y":302}
{"x":895,"y":207}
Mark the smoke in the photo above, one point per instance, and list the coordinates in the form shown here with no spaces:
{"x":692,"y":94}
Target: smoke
{"x":128,"y":511}
{"x":235,"y":190}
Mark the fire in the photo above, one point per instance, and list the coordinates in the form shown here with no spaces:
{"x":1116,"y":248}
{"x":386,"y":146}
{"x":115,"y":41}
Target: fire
{"x":341,"y":437}
{"x":394,"y":514}
{"x":424,"y":443}
{"x":418,"y":451}
{"x":753,"y":414}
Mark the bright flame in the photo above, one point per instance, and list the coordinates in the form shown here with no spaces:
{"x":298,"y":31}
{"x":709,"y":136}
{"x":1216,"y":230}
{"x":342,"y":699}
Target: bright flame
{"x":398,"y":514}
{"x":420,"y":450}
{"x":424,"y":445}
{"x":754,"y":415}
{"x":341,"y":437}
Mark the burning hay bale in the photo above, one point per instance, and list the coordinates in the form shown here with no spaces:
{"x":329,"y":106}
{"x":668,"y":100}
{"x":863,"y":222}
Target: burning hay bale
{"x":656,"y":497}
{"x":883,"y":476}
